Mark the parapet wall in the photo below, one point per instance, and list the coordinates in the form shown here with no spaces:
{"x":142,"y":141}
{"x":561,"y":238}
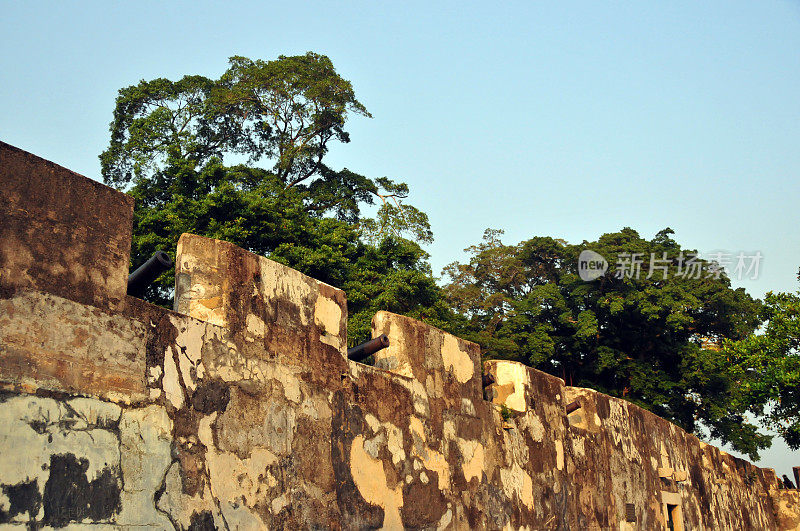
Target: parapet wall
{"x":240,"y":410}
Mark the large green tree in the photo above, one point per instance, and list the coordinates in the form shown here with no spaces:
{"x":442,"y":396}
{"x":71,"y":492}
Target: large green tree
{"x":767,"y":367}
{"x":278,"y":119}
{"x":649,"y":335}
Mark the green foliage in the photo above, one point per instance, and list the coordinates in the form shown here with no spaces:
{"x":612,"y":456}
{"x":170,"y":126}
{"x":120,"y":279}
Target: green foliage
{"x":767,"y":367}
{"x":158,"y":118}
{"x":285,"y":112}
{"x":168,"y":142}
{"x":290,"y":109}
{"x":649,"y":340}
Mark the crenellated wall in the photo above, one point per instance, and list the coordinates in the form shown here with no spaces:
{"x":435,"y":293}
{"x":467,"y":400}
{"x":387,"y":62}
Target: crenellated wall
{"x":240,"y":409}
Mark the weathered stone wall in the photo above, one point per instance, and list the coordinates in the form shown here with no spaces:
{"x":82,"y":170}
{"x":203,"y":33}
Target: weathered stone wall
{"x":62,"y":233}
{"x":240,"y":410}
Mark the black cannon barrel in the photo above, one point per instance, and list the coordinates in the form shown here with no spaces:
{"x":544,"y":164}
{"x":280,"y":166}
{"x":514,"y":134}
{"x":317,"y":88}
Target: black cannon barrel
{"x":366,"y":349}
{"x":146,"y":273}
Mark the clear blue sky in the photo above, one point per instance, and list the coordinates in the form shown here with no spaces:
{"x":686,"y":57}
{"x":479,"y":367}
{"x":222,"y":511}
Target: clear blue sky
{"x":565,"y":119}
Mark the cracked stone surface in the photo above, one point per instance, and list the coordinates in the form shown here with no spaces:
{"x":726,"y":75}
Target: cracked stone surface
{"x":242,"y":411}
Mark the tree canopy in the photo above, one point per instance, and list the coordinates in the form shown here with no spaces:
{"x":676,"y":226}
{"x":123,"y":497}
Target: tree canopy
{"x":284,"y":112}
{"x":169,"y":141}
{"x":767,"y":367}
{"x":651,"y":340}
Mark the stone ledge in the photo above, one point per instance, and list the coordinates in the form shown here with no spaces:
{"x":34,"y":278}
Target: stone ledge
{"x":48,"y":342}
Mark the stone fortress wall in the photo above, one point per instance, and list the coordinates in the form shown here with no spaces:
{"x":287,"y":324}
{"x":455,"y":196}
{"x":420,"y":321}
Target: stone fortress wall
{"x":240,"y":409}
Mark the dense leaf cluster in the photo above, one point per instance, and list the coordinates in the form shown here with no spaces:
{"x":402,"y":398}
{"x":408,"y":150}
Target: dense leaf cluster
{"x":652,"y":340}
{"x":767,"y":367}
{"x":168,"y":143}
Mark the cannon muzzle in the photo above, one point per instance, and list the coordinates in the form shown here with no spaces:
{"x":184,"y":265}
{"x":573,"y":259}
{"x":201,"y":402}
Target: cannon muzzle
{"x":146,"y":273}
{"x":366,"y":349}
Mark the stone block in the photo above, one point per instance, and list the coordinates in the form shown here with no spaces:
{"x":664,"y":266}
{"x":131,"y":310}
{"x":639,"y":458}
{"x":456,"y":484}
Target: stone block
{"x":47,"y":342}
{"x":512,"y":384}
{"x":787,"y":508}
{"x":271,"y":311}
{"x":443,"y":363}
{"x":666,"y":472}
{"x":62,"y":233}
